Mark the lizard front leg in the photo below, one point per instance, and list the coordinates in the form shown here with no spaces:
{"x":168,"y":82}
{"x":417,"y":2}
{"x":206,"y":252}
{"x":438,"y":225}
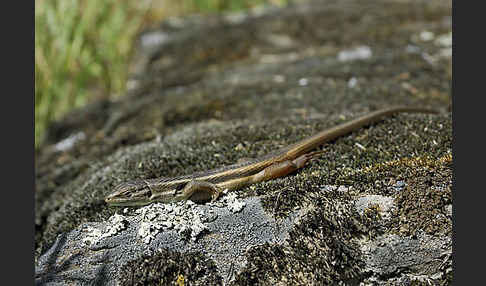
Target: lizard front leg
{"x":200,"y":191}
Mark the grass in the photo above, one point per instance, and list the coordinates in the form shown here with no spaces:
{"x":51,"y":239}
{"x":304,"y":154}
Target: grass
{"x":83,"y":47}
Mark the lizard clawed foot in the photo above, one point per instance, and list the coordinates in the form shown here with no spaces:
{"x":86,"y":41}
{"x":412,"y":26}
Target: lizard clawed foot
{"x":314,"y":155}
{"x":217,"y":191}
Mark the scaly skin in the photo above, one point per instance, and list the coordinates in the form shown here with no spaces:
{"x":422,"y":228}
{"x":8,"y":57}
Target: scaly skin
{"x":207,"y":185}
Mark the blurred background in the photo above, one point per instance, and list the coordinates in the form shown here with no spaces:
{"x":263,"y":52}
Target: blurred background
{"x":83,"y":47}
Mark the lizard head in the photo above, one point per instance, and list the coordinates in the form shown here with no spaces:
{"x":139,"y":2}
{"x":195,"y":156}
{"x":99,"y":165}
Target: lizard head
{"x":130,"y":194}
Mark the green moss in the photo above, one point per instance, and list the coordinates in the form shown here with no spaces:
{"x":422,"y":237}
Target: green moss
{"x":170,"y":268}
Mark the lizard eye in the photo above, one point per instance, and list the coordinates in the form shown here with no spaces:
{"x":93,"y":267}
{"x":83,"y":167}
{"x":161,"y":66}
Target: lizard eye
{"x":179,"y":187}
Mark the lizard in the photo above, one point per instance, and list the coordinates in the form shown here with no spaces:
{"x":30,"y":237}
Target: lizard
{"x":208,"y":185}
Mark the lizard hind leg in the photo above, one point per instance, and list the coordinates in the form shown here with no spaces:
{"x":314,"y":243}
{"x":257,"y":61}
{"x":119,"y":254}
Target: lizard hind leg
{"x":284,"y":168}
{"x":201,"y":191}
{"x":300,"y":161}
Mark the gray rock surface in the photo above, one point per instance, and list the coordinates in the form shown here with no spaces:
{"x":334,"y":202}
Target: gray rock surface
{"x":375,"y":209}
{"x":217,"y":230}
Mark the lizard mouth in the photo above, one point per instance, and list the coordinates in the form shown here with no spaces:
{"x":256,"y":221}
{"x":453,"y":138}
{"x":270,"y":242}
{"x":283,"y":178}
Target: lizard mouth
{"x":128,"y":196}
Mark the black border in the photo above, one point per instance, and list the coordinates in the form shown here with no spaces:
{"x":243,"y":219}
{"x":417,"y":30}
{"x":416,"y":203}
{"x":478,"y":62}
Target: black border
{"x":18,"y":191}
{"x":468,"y":111}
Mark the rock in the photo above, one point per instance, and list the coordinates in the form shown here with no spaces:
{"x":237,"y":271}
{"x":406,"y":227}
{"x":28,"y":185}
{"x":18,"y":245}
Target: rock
{"x":260,"y":81}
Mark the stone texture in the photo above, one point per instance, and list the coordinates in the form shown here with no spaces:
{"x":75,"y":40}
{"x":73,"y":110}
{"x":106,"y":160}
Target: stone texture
{"x":208,"y":91}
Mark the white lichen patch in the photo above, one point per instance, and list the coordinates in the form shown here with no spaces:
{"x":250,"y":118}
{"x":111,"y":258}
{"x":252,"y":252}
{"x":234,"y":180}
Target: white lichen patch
{"x":352,"y":82}
{"x":116,"y":223}
{"x":69,"y":142}
{"x":358,"y":53}
{"x":231,"y":201}
{"x":93,"y":235}
{"x":334,"y":188}
{"x":234,"y":204}
{"x":148,"y":230}
{"x":444,"y":40}
{"x":185,"y":217}
{"x":384,"y":204}
{"x":426,"y":36}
